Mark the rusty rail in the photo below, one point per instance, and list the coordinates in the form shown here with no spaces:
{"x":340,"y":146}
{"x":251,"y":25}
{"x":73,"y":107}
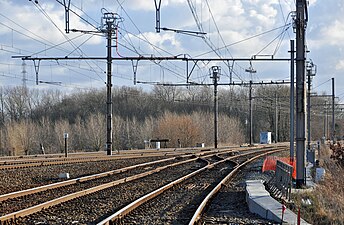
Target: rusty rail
{"x":28,"y":161}
{"x":56,"y":201}
{"x":20,"y":163}
{"x":95,"y":176}
{"x":62,"y":199}
{"x":196,"y":217}
{"x":76,"y":180}
{"x":27,"y":164}
{"x":127,"y":209}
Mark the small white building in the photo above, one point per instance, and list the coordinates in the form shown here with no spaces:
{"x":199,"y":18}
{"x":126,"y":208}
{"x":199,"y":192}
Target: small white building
{"x":265,"y":137}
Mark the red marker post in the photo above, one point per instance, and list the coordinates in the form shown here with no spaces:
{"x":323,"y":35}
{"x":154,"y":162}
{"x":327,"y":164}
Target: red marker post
{"x":298,"y":217}
{"x":283,"y":210}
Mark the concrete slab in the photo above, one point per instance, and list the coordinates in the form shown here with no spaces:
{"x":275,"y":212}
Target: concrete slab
{"x":309,"y":178}
{"x":260,"y":202}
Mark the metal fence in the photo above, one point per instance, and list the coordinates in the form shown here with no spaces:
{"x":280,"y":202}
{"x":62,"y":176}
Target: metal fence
{"x":281,"y":184}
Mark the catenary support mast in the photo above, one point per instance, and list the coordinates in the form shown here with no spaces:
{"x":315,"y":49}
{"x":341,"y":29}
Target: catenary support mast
{"x":333,"y":118}
{"x":301,"y":21}
{"x":292,"y":75}
{"x":109,"y":20}
{"x":215,"y":70}
{"x":251,"y":113}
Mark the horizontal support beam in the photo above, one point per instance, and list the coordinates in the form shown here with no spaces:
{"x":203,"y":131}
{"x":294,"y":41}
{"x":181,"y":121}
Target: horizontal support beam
{"x":227,"y":84}
{"x":150,"y":58}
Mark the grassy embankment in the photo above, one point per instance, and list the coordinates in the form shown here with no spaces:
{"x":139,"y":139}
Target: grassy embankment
{"x":328,"y":196}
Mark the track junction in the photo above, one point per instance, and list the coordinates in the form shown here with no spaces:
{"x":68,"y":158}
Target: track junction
{"x":173,"y":186}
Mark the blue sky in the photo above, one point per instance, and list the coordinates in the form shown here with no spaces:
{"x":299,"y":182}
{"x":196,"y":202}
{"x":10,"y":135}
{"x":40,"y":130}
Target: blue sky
{"x":37,"y":30}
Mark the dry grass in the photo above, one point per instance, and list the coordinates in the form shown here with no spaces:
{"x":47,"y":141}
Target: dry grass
{"x":328,"y":196}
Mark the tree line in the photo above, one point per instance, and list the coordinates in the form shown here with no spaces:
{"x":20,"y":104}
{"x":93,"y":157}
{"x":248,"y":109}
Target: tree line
{"x":30,"y":118}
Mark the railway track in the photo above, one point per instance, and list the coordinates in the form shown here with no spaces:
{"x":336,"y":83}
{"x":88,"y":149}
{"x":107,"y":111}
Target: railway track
{"x":227,"y":207}
{"x":95,"y":204}
{"x":30,"y":177}
{"x":13,"y":180}
{"x":40,"y":161}
{"x":101,"y":202}
{"x":23,"y":199}
{"x":180,"y":202}
{"x":18,"y":162}
{"x":27,"y":198}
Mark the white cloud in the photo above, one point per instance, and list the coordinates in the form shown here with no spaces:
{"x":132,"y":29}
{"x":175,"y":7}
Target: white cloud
{"x":141,"y":5}
{"x":334,"y":32}
{"x":236,"y":20}
{"x":165,"y":41}
{"x":43,"y":28}
{"x":146,"y":5}
{"x":340,"y":65}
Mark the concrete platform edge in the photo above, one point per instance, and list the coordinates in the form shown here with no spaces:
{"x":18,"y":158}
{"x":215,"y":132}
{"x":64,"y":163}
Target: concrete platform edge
{"x":260,"y":202}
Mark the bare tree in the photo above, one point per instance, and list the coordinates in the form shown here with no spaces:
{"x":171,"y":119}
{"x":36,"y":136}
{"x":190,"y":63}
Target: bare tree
{"x":45,"y":136}
{"x":16,"y":103}
{"x":2,"y":105}
{"x":173,"y":126}
{"x":20,"y":136}
{"x":95,"y":131}
{"x":166,"y":93}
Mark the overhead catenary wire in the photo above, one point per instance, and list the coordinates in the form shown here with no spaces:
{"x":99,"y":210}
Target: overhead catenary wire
{"x":14,"y":51}
{"x":139,"y":50}
{"x":42,"y":42}
{"x":205,"y":38}
{"x":243,"y":40}
{"x":192,"y":7}
{"x":222,"y":39}
{"x":283,"y":17}
{"x":217,"y":29}
{"x":38,"y":38}
{"x":145,"y":39}
{"x":279,"y":43}
{"x":75,"y":13}
{"x":313,"y":88}
{"x":273,"y":40}
{"x":76,"y":48}
{"x":135,"y":50}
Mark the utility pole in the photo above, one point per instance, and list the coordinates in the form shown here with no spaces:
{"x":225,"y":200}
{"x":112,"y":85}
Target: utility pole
{"x":333,"y":124}
{"x":309,"y":110}
{"x":215,"y":71}
{"x":311,"y":71}
{"x":109,"y":20}
{"x":300,"y":23}
{"x":326,"y":122}
{"x":292,"y":75}
{"x":24,"y":72}
{"x":328,"y":135}
{"x":251,"y":122}
{"x":276,"y":118}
